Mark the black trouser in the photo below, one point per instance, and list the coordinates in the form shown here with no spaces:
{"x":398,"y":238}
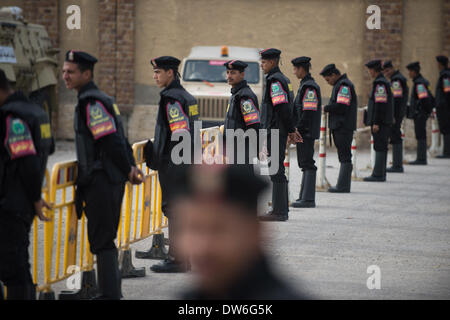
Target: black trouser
{"x":103,"y":201}
{"x":14,"y":242}
{"x":420,"y":126}
{"x":280,"y":174}
{"x":305,"y":154}
{"x":343,"y":141}
{"x":395,"y":136}
{"x":166,"y":183}
{"x":380,"y":138}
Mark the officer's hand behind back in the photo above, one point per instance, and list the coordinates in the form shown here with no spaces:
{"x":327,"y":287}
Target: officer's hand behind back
{"x":38,"y":208}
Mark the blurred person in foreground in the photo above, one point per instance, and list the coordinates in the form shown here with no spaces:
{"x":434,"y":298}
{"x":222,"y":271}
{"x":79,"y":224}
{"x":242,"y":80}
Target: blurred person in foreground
{"x":216,"y":213}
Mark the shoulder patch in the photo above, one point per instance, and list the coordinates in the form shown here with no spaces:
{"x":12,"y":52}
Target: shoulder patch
{"x":18,"y":140}
{"x":421,"y":91}
{"x":278,"y":94}
{"x":46,"y":131}
{"x":446,"y":85}
{"x":397,"y":89}
{"x":249,"y":112}
{"x":116,"y":109}
{"x":176,"y":117}
{"x":310,"y":100}
{"x":381,"y":95}
{"x":99,"y":120}
{"x":344,"y":95}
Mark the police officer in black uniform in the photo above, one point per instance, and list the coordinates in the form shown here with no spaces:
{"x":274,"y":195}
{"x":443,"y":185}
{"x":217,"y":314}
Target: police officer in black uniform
{"x":342,"y":112}
{"x":242,"y":113}
{"x":105,"y":163}
{"x":420,"y":108}
{"x":307,"y":110}
{"x":443,"y":103}
{"x":277,"y":113}
{"x":26,"y":143}
{"x":380,"y":117}
{"x":400,"y":91}
{"x":176,"y":114}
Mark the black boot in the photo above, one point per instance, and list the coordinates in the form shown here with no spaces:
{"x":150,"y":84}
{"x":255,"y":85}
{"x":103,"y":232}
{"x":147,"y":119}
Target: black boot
{"x":108,"y":274}
{"x":169,"y":265}
{"x":421,"y":153}
{"x":446,"y":153}
{"x":302,"y":187}
{"x":23,"y":292}
{"x":397,"y":158}
{"x":379,"y":170}
{"x":344,"y":179}
{"x":279,"y":203}
{"x":309,"y":192}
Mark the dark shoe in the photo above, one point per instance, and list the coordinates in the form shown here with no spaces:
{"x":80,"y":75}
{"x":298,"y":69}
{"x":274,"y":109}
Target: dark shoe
{"x":25,"y":292}
{"x":379,"y":170}
{"x":274,"y":217}
{"x":344,"y":179}
{"x":308,"y":194}
{"x":169,"y":265}
{"x":304,"y":204}
{"x":108,"y":274}
{"x":397,"y":158}
{"x":421,"y":153}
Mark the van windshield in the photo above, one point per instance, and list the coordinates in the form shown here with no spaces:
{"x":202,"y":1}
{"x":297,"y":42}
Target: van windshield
{"x":214,"y":71}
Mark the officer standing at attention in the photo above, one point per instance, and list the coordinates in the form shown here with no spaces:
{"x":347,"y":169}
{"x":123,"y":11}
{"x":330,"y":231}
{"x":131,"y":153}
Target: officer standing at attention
{"x":277,"y":113}
{"x":421,"y":105}
{"x":26,"y":144}
{"x":443,"y":103}
{"x":400,"y":92}
{"x":243,"y":111}
{"x":105,"y":163}
{"x":342,"y":112}
{"x":177,"y":112}
{"x":307,"y":113}
{"x":380,"y":116}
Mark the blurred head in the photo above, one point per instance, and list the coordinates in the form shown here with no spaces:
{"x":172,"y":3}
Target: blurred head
{"x":388,"y":69}
{"x":331,"y":74}
{"x":442,"y":62}
{"x":300,"y":71}
{"x":235,"y":71}
{"x":5,"y":88}
{"x":217,"y":231}
{"x":374,"y":68}
{"x":301,"y":66}
{"x":270,"y":58}
{"x":413,"y":69}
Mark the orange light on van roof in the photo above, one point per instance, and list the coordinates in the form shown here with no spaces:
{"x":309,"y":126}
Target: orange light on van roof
{"x":224,"y":51}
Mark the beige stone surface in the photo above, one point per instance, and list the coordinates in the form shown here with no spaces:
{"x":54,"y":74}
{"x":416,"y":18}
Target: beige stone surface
{"x":141,"y":125}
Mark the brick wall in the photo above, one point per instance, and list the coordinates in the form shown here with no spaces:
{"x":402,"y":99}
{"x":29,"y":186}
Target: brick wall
{"x":446,"y":28}
{"x":43,"y":12}
{"x":116,"y":47}
{"x":384,"y":43}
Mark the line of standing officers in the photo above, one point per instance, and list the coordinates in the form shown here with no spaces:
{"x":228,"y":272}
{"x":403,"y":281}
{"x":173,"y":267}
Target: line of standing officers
{"x":106,"y":162}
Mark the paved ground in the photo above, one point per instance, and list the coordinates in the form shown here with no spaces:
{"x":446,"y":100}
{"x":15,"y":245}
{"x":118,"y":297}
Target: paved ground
{"x":402,"y":226}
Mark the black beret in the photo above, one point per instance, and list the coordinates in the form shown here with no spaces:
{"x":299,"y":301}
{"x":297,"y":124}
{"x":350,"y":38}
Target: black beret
{"x":270,"y":53}
{"x":387,"y":64}
{"x":235,"y":65}
{"x":80,"y":57}
{"x":328,"y":70}
{"x":413,"y":66}
{"x":442,"y":60}
{"x":226,"y":183}
{"x":374,"y":64}
{"x":301,"y":61}
{"x":165,"y":62}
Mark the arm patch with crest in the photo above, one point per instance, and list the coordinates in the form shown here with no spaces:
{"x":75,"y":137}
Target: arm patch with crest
{"x":397,"y":89}
{"x":310,"y":100}
{"x":18,"y":140}
{"x":99,"y":121}
{"x":278,"y":94}
{"x":446,"y":85}
{"x":178,"y":120}
{"x":344,"y":95}
{"x":421,"y":91}
{"x":381,"y":95}
{"x":249,"y":112}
